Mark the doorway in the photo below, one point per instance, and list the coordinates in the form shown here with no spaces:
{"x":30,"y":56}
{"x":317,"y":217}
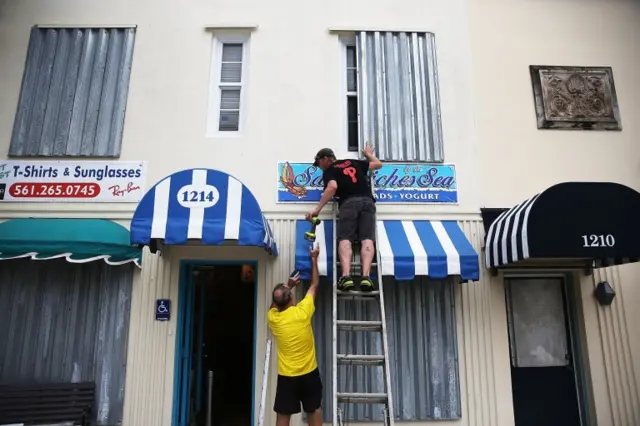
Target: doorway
{"x":215,"y":351}
{"x":544,"y":376}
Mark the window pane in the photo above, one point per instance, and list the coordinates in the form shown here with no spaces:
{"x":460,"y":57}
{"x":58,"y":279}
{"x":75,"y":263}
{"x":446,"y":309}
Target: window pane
{"x":351,"y":56}
{"x":229,"y":121}
{"x":352,"y":82}
{"x":352,"y":70}
{"x":353,"y":137}
{"x":537,"y":323}
{"x":231,"y":72}
{"x":352,"y":119}
{"x":232,"y":52}
{"x":230,"y":98}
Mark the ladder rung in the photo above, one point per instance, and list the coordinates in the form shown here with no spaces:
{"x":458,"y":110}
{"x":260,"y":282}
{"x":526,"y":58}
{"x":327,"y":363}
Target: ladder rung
{"x":359,"y":325}
{"x":365,"y":398}
{"x":367,"y":295}
{"x":360,"y":359}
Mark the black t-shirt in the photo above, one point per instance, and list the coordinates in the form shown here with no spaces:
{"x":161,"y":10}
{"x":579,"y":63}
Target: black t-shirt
{"x":351,"y":177}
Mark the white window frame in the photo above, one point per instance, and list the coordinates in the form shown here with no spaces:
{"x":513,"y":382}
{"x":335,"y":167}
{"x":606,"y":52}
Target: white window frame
{"x":345,"y":41}
{"x":213,"y":108}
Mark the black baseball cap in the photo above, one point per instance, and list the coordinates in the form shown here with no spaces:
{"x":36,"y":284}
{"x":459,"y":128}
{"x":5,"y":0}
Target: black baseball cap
{"x":324,"y":152}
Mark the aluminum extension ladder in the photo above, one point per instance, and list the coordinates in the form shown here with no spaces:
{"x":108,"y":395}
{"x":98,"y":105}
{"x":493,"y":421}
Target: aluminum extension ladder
{"x":350,"y":359}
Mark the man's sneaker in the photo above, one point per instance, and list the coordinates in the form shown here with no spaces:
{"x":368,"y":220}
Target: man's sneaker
{"x":345,"y":283}
{"x":366,"y":284}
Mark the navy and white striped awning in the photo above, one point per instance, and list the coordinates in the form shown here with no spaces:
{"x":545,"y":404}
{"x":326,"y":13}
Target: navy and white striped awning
{"x":593,"y":221}
{"x":201,"y":204}
{"x":437,"y":249}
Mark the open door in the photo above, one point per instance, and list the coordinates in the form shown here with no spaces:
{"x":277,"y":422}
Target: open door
{"x":214,"y":384}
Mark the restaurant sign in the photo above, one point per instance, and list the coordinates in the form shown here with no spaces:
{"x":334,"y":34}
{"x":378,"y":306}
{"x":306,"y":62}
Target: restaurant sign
{"x":393,"y":183}
{"x":72,"y":181}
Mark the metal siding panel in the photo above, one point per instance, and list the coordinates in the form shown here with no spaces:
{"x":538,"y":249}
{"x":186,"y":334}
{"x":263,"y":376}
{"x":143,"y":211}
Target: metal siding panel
{"x":107,"y":100}
{"x":81,"y":99}
{"x":422,"y":345}
{"x":398,"y":95}
{"x":53,"y":101}
{"x":67,"y":322}
{"x":45,"y":67}
{"x":68,"y":93}
{"x":23,"y":112}
{"x":122,"y":91}
{"x":74,"y":90}
{"x":87,"y":146}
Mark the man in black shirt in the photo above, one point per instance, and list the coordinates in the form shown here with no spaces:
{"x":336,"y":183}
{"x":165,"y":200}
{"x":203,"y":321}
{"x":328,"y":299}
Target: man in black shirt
{"x":349,"y":181}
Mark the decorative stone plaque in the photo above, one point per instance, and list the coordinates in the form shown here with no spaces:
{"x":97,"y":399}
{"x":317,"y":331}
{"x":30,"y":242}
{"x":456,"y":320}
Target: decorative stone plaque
{"x":575,"y":98}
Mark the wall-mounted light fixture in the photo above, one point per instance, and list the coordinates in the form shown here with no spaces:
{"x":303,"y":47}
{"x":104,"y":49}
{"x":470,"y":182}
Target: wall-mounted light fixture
{"x":604,"y":293}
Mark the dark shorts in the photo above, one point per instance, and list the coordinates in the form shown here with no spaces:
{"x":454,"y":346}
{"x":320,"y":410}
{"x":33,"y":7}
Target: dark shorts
{"x":291,"y":391}
{"x":357,"y":219}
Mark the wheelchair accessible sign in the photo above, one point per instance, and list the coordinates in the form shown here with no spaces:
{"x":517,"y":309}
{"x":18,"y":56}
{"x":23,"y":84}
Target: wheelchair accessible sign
{"x":163,"y":310}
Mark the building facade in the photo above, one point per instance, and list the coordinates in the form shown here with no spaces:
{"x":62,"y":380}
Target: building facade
{"x":151,"y":199}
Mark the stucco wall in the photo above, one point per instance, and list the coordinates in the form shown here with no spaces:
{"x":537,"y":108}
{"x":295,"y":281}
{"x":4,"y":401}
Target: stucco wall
{"x":507,"y":36}
{"x":294,"y":93}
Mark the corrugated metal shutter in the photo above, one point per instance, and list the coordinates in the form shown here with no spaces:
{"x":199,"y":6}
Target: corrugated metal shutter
{"x":74,"y":93}
{"x":67,"y":322}
{"x":423,"y":350}
{"x":398,"y":96}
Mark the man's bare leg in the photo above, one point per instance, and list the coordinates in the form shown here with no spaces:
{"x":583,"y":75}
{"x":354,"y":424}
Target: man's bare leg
{"x":283,"y":420}
{"x":366,"y":257}
{"x":315,"y":418}
{"x":344,"y":253}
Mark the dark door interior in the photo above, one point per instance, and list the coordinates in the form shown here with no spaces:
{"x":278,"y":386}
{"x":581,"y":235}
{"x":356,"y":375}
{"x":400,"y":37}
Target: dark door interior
{"x":222,"y":346}
{"x":542,"y":368}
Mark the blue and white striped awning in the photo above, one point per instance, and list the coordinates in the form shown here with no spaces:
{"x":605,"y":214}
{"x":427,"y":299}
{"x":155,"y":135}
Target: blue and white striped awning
{"x":437,"y":249}
{"x":201,"y":204}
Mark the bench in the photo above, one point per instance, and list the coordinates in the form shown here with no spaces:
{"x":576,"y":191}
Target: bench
{"x":46,"y":403}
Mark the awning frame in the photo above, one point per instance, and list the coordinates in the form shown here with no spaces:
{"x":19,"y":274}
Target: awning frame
{"x":548,"y":229}
{"x":75,"y":240}
{"x":427,"y":237}
{"x":229,"y":213}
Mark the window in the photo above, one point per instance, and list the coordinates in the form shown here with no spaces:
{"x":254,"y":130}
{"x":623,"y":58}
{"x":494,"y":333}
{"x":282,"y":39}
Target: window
{"x":392,"y":78}
{"x":352,"y":98}
{"x":74,"y":92}
{"x":421,"y":323}
{"x":228,"y":85}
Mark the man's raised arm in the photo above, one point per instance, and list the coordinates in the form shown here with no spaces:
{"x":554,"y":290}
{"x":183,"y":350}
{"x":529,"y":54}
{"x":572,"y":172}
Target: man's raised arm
{"x":315,"y":276}
{"x":374,"y":163}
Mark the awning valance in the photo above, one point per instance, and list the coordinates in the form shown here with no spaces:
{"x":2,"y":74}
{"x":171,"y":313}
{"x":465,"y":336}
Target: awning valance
{"x":76,"y":240}
{"x":593,"y":221}
{"x":437,"y":249}
{"x":203,"y":205}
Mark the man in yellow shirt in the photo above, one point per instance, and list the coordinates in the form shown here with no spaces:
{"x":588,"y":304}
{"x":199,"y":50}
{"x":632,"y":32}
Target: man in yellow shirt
{"x":298,"y":376}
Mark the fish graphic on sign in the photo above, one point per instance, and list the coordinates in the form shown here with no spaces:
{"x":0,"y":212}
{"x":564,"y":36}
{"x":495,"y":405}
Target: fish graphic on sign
{"x":287,"y":179}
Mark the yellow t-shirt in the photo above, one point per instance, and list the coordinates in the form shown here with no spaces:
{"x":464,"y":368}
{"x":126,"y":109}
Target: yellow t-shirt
{"x":294,"y":337}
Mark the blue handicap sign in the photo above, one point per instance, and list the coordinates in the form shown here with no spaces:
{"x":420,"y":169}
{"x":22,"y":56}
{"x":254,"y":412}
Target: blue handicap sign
{"x":163,"y":310}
